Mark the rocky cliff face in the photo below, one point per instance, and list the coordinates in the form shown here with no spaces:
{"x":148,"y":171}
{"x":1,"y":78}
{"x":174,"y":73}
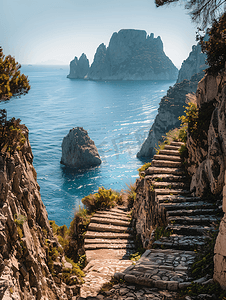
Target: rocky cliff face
{"x":195,"y":63}
{"x":207,"y":152}
{"x":79,"y":67}
{"x":170,"y":108}
{"x":132,"y":55}
{"x":26,"y":238}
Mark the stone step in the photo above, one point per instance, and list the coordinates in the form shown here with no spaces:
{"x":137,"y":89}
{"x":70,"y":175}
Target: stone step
{"x":171,"y":192}
{"x":158,"y":170}
{"x":166,"y":177}
{"x":120,"y":210}
{"x":97,"y":254}
{"x":177,"y":198}
{"x":169,"y":152}
{"x":105,"y":214}
{"x":109,"y":246}
{"x":107,"y":235}
{"x":190,"y":229}
{"x":113,"y":213}
{"x":169,"y":206}
{"x":109,"y":228}
{"x":178,"y":144}
{"x":181,"y":242}
{"x":171,"y":147}
{"x":192,"y":212}
{"x":167,"y":157}
{"x":107,"y":241}
{"x":166,"y":163}
{"x":109,"y":221}
{"x":169,"y":185}
{"x":194,"y":220}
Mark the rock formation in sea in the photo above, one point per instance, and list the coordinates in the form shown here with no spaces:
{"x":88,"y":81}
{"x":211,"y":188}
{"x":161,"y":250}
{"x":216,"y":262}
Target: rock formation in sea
{"x":78,"y":150}
{"x":79,"y":67}
{"x":27,"y":243}
{"x":132,"y":55}
{"x":171,"y":105}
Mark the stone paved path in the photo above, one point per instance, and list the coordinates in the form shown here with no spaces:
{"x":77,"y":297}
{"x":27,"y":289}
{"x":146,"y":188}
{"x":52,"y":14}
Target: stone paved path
{"x":162,"y":270}
{"x":108,"y":244}
{"x":189,"y":220}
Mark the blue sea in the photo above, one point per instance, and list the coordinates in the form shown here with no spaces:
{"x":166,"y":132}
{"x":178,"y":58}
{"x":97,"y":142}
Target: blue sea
{"x":116,"y":114}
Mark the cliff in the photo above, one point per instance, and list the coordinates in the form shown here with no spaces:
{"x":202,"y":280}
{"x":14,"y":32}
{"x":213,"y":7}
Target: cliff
{"x":171,"y":106}
{"x":31,"y":259}
{"x":195,"y":63}
{"x":79,"y":67}
{"x":130,"y":55}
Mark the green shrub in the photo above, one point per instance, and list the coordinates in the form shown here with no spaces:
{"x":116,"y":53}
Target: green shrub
{"x":103,"y":199}
{"x":143,"y":168}
{"x":131,"y":194}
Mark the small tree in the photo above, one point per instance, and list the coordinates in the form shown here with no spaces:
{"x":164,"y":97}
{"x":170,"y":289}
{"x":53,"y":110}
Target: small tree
{"x":215,"y":47}
{"x":12,"y":82}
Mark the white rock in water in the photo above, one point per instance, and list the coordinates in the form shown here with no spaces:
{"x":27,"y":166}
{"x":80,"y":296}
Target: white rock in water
{"x":78,"y":150}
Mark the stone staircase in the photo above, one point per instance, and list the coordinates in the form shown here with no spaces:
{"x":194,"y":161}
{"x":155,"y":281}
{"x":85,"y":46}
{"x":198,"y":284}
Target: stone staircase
{"x":188,"y":218}
{"x":108,"y":244}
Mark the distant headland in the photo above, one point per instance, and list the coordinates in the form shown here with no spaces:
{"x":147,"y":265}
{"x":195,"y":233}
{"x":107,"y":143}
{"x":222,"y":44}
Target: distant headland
{"x":130,"y":55}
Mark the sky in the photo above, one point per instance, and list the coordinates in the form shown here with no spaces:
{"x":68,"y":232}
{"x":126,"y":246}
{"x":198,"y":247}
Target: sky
{"x":55,"y":31}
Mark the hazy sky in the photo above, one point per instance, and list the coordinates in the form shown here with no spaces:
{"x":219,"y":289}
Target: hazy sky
{"x":36,"y":31}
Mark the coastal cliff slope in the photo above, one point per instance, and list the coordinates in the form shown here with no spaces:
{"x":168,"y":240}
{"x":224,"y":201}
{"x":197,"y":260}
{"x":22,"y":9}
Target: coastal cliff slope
{"x":195,"y":63}
{"x":27,"y":244}
{"x":130,"y":55}
{"x":171,"y":105}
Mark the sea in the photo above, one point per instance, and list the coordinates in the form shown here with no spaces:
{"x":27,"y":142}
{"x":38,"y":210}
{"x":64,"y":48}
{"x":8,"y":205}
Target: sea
{"x":117,"y":115}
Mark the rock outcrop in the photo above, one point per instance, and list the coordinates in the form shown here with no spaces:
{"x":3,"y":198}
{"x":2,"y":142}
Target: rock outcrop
{"x":171,"y":105}
{"x":170,"y":108}
{"x":132,"y":55}
{"x":26,"y":238}
{"x":79,"y":67}
{"x":195,"y":63}
{"x":78,"y":150}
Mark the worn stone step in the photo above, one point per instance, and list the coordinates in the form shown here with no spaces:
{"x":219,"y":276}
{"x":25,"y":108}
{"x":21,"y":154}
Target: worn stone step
{"x":169,"y":152}
{"x":171,"y":147}
{"x":107,"y":241}
{"x":185,"y":242}
{"x":107,"y":235}
{"x":178,"y":144}
{"x":170,"y":206}
{"x":166,"y":163}
{"x":169,"y":185}
{"x":111,"y":216}
{"x":177,"y":198}
{"x":109,"y":221}
{"x":190,"y":229}
{"x":109,"y":246}
{"x":167,"y":157}
{"x":193,"y":212}
{"x":160,"y":268}
{"x":120,"y":210}
{"x":166,"y":178}
{"x":96,"y":254}
{"x":171,"y":192}
{"x":159,"y":170}
{"x":111,"y":228}
{"x":113,"y":213}
{"x":194,"y":220}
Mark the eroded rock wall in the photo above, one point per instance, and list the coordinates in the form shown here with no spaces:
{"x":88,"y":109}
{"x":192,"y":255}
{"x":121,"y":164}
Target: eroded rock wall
{"x":25,"y":233}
